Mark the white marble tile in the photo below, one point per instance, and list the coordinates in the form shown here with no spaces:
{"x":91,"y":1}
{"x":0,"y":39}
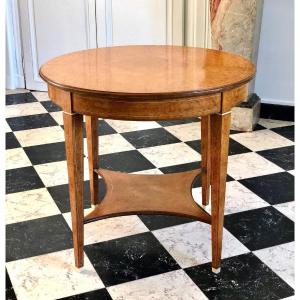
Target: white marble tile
{"x":261,"y":140}
{"x":125,"y":126}
{"x":281,"y":260}
{"x":172,"y":154}
{"x":16,"y":91}
{"x":25,"y":109}
{"x":238,"y":198}
{"x":38,"y":136}
{"x":52,"y":276}
{"x":28,"y":205}
{"x":41,"y":96}
{"x":186,"y":132}
{"x":269,"y":123}
{"x":111,"y":143}
{"x":7,"y":127}
{"x":16,"y":158}
{"x":288,"y":209}
{"x":250,"y":164}
{"x":168,"y":286}
{"x":109,"y":229}
{"x":190,"y":244}
{"x":56,"y":173}
{"x":58,"y":117}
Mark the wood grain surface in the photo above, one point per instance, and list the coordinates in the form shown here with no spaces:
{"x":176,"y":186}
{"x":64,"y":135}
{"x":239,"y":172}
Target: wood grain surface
{"x":146,"y":72}
{"x":128,"y":194}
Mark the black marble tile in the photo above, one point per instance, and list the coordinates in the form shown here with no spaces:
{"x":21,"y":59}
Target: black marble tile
{"x":9,"y":290}
{"x":234,"y":147}
{"x":126,"y":161}
{"x":242,"y":277}
{"x":257,"y":127}
{"x":154,"y":222}
{"x":237,"y":148}
{"x":31,"y":122}
{"x":286,"y":131}
{"x":188,"y":167}
{"x":11,"y":141}
{"x":36,"y":237}
{"x":46,"y":153}
{"x":195,"y":145}
{"x":22,"y":179}
{"x":181,"y":168}
{"x":104,"y":128}
{"x":277,"y":112}
{"x":282,"y":157}
{"x":274,"y":188}
{"x":20,"y":98}
{"x":260,"y":228}
{"x":150,"y":138}
{"x":129,"y":258}
{"x":60,"y":195}
{"x":178,"y":122}
{"x":50,"y":106}
{"x":101,"y":294}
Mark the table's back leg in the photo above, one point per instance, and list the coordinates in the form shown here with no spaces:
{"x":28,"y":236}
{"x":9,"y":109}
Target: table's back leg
{"x":74,"y":150}
{"x":220,"y":129}
{"x":205,"y":158}
{"x":92,"y":145}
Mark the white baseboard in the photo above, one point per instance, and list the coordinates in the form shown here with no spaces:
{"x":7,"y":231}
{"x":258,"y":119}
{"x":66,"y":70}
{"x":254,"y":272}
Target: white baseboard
{"x":288,"y":102}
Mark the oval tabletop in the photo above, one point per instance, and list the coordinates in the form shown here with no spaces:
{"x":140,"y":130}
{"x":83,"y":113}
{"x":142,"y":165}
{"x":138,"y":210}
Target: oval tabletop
{"x":146,"y":71}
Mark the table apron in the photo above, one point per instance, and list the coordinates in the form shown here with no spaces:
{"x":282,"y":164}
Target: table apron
{"x":146,"y":110}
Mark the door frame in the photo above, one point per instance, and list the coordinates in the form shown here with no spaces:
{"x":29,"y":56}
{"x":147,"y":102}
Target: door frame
{"x":174,"y":27}
{"x":197,"y":25}
{"x":27,"y":22}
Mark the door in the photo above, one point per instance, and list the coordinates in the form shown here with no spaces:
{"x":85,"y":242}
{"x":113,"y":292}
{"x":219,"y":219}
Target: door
{"x":54,"y":27}
{"x":131,"y":22}
{"x":51,"y":28}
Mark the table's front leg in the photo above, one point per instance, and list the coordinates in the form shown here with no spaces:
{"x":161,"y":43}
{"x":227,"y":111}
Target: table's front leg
{"x":220,"y":129}
{"x":74,"y":150}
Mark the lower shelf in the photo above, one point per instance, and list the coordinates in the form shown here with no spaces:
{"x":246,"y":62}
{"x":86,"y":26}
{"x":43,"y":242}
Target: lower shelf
{"x":128,"y":194}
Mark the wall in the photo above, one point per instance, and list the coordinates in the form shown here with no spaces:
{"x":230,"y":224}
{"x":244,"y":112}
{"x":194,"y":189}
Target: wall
{"x":275,"y":67}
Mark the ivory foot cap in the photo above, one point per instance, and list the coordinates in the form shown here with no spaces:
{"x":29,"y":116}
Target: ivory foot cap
{"x":216,"y":271}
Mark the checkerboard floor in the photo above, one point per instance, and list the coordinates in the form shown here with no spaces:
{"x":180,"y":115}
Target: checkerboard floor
{"x":146,"y":257}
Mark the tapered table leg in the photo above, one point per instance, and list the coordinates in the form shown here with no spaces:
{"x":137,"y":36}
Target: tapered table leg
{"x":220,"y":128}
{"x":205,"y":158}
{"x":92,"y":144}
{"x":74,"y":151}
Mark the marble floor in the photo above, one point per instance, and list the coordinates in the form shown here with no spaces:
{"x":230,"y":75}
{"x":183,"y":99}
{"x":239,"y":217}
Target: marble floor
{"x":146,"y":257}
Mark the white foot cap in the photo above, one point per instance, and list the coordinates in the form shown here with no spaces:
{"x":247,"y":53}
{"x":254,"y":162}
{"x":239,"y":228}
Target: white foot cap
{"x":216,"y":271}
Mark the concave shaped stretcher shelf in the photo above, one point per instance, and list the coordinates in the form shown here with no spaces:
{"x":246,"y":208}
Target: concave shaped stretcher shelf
{"x":128,"y":194}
